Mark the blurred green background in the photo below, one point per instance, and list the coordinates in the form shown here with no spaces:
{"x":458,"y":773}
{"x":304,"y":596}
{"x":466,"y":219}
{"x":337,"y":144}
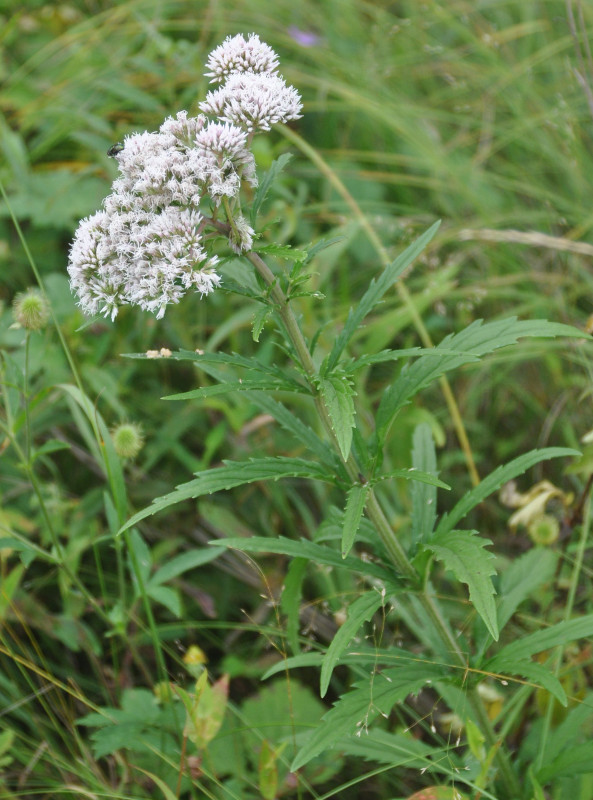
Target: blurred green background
{"x":476,"y":113}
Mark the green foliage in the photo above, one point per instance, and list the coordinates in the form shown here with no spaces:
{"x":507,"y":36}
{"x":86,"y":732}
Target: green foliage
{"x":92,"y":620}
{"x":463,"y":553}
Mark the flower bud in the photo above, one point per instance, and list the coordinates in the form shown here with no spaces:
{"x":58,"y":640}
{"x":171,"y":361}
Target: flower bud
{"x":127,"y":440}
{"x":31,"y":310}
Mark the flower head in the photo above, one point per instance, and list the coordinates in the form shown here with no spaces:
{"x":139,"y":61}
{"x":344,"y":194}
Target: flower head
{"x":237,"y":54}
{"x":147,"y":246}
{"x":253,"y":102}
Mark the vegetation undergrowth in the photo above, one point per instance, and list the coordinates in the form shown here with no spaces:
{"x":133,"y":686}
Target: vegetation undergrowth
{"x":381,"y":589}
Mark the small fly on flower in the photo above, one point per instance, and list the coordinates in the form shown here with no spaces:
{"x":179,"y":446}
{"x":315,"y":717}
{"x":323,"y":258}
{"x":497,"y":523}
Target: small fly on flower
{"x":115,"y":149}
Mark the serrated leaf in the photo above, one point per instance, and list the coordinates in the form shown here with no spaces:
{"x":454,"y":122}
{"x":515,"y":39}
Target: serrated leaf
{"x":355,"y":503}
{"x":116,"y":737}
{"x":204,"y":360}
{"x":300,"y":431}
{"x":259,"y":321}
{"x":496,"y":479}
{"x":534,"y":672}
{"x":356,"y":710}
{"x":234,"y":386}
{"x":394,"y":749}
{"x":375,"y":292}
{"x":184,"y":562}
{"x":310,"y":550}
{"x":527,"y":646}
{"x":284,"y":251}
{"x":338,"y":396}
{"x":233,"y":473}
{"x":463,"y":553}
{"x":265,"y":183}
{"x":413,"y":474}
{"x":471,"y":344}
{"x":424,"y":496}
{"x":360,"y":611}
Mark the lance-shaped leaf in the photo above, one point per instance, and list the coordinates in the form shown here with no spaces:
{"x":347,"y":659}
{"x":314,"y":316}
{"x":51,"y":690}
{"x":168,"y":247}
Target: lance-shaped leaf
{"x":233,"y":474}
{"x":534,"y":673}
{"x":355,"y":502}
{"x":463,"y":553}
{"x":375,"y":292}
{"x":315,"y":552}
{"x":303,"y":433}
{"x":355,"y":711}
{"x":266,"y":183}
{"x":360,"y":611}
{"x":469,"y":345}
{"x":496,"y":479}
{"x":527,"y":646}
{"x":235,"y":386}
{"x":338,"y":395}
{"x":424,"y":496}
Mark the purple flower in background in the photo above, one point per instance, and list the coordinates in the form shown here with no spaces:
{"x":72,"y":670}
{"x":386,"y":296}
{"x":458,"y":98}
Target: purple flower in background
{"x":304,"y":38}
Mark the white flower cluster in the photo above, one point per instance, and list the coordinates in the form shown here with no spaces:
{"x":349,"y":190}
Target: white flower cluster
{"x":252,"y":96}
{"x":147,"y":246}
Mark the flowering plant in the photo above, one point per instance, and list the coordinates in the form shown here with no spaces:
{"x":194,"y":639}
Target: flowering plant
{"x":179,"y":189}
{"x":149,"y":244}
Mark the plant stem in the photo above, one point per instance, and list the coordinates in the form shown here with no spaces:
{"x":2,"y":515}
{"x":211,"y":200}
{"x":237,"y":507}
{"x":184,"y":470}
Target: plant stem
{"x":377,"y":516}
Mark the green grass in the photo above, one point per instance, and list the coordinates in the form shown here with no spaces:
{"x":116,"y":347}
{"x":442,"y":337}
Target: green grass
{"x":471,"y":113}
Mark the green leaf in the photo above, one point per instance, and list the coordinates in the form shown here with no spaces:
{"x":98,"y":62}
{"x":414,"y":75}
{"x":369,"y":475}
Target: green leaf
{"x":529,"y":645}
{"x":355,"y":710}
{"x":305,"y":549}
{"x":463,"y":553}
{"x":141,"y":561}
{"x":51,"y":446}
{"x":116,"y":737}
{"x":284,"y":251}
{"x":265,"y":184}
{"x":300,"y":431}
{"x":395,"y":749}
{"x":355,"y":503}
{"x":234,"y":386}
{"x":424,"y":496}
{"x":375,"y":292}
{"x":534,"y":672}
{"x":294,"y":662}
{"x":522,"y":578}
{"x":203,"y":360}
{"x":184,"y":562}
{"x":167,"y":597}
{"x":111,"y":461}
{"x":476,"y":340}
{"x":570,"y":730}
{"x":338,"y":395}
{"x":10,"y":584}
{"x":291,"y":600}
{"x":576,"y":760}
{"x":233,"y":473}
{"x":259,"y":321}
{"x":360,"y":611}
{"x":412,"y":474}
{"x":496,"y":479}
